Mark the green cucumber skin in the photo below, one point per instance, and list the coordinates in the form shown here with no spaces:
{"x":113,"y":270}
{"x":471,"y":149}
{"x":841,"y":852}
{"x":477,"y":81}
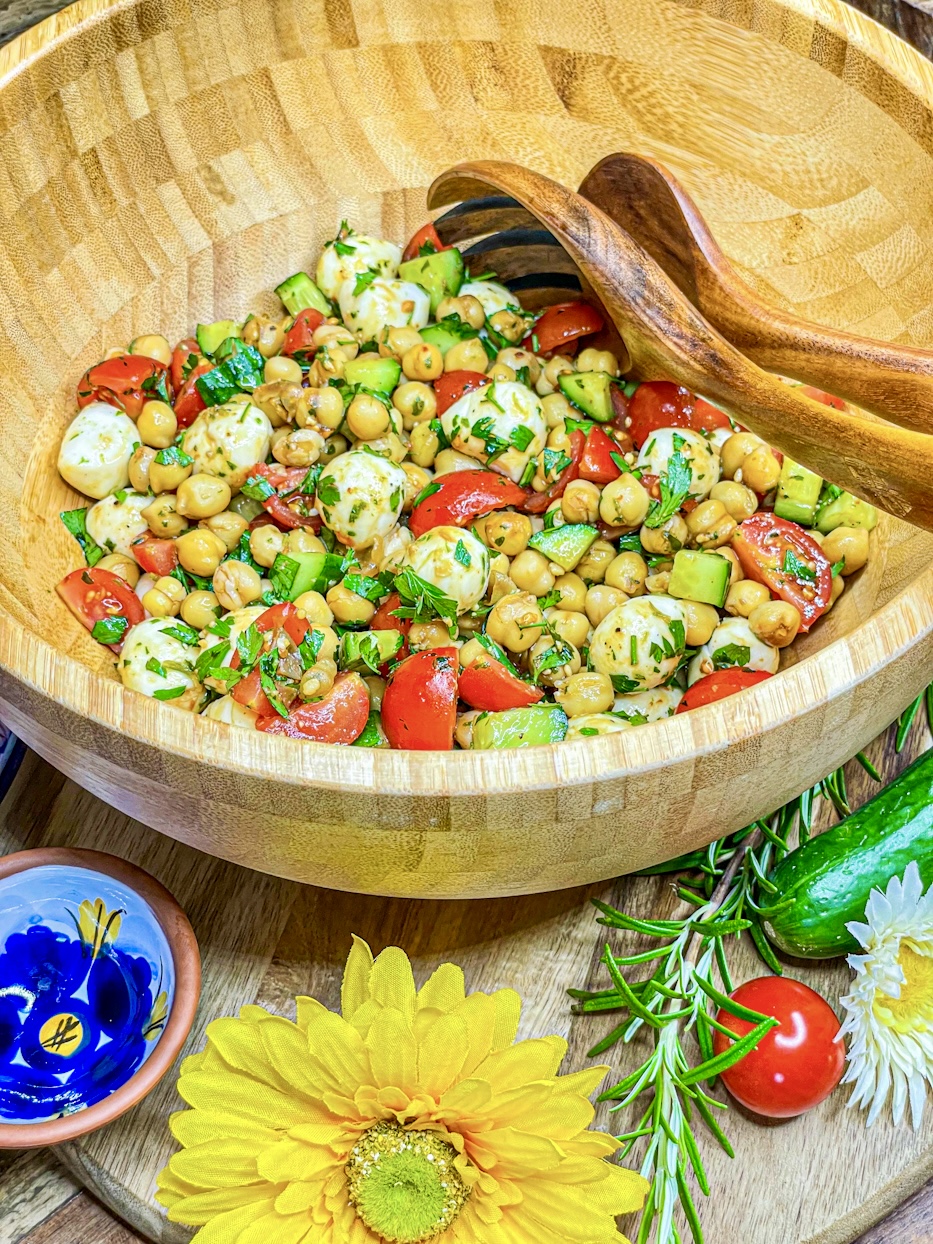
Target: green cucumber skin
{"x":831,"y":876}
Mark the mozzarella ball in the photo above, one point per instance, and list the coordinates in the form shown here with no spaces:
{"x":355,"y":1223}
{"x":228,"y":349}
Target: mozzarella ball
{"x":642,"y":641}
{"x":96,"y":449}
{"x":454,"y":561}
{"x":240,"y":620}
{"x":367,"y":254}
{"x":360,"y":496}
{"x":591,"y":724}
{"x":642,"y":707}
{"x":505,"y":413}
{"x":719,"y":436}
{"x":737,"y":632}
{"x":228,"y":441}
{"x":703,"y":457}
{"x":116,"y":521}
{"x":383,"y":304}
{"x":227,"y":710}
{"x":148,"y":642}
{"x":492,"y":296}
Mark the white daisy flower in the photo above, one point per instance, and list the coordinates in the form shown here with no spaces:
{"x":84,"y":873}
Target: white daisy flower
{"x":889,"y":1012}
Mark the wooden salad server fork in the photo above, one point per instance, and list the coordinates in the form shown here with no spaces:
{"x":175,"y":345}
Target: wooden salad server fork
{"x":651,"y":205}
{"x":667,"y":338}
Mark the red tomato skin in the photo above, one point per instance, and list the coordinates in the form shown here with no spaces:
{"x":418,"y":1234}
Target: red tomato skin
{"x":105,"y":596}
{"x":286,"y":480}
{"x":663,"y":404}
{"x":427,"y":235}
{"x":452,"y":385}
{"x":188,"y":402}
{"x":299,"y":335}
{"x":248,"y":691}
{"x":821,"y":396}
{"x":340,"y":717}
{"x":796,"y":1065}
{"x":119,"y":382}
{"x":719,"y":685}
{"x":596,"y":464}
{"x":562,"y":324}
{"x":419,"y":706}
{"x":383,"y":619}
{"x":155,"y":555}
{"x":488,"y":685}
{"x":287,"y":615}
{"x":462,"y":496}
{"x":538,"y":502}
{"x":760,"y":544}
{"x":179,"y":364}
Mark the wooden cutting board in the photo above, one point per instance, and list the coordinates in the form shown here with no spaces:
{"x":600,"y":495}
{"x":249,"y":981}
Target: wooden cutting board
{"x":821,"y":1179}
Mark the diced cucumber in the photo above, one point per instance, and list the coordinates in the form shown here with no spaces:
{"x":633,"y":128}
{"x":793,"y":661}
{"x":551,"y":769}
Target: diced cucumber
{"x":366,"y":651}
{"x":373,"y":734}
{"x":241,"y":372}
{"x":798,"y":493}
{"x":700,"y":576}
{"x":564,"y":545}
{"x":295,"y":573}
{"x":589,"y":391}
{"x":299,"y":293}
{"x":211,"y":335}
{"x":441,"y":274}
{"x":520,"y":727}
{"x":373,"y":372}
{"x":447,"y":335}
{"x":846,"y":511}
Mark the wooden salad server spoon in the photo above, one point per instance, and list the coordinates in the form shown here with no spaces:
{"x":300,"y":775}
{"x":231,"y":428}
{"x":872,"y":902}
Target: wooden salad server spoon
{"x":651,"y":205}
{"x":667,"y":338}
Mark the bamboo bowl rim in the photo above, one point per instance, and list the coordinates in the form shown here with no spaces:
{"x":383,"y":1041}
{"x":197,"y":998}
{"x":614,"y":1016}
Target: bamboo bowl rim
{"x":815,"y":680}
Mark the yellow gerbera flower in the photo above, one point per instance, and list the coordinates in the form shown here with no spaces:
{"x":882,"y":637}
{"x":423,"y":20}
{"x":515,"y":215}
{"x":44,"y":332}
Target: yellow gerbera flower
{"x":413,"y":1116}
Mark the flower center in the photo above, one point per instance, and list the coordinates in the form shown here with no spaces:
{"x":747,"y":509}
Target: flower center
{"x":913,"y":1010}
{"x":404,"y":1185}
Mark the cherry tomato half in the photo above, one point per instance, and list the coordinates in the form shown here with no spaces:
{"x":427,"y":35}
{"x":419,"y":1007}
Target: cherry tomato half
{"x":427,"y":236}
{"x":596,"y":463}
{"x":538,"y":502}
{"x":561,"y":324}
{"x":488,"y":685}
{"x":127,"y":381}
{"x":339,"y":717}
{"x":788,"y":562}
{"x":284,"y":615}
{"x":248,"y":691}
{"x":94,"y":595}
{"x":155,"y":555}
{"x":796,"y":1065}
{"x":461,"y":496}
{"x":289,"y":508}
{"x":299,"y":336}
{"x":719,"y":685}
{"x":821,"y":396}
{"x":185,"y":358}
{"x":419,"y":705}
{"x":384,"y":618}
{"x":188,"y":402}
{"x":452,"y":385}
{"x":663,"y":404}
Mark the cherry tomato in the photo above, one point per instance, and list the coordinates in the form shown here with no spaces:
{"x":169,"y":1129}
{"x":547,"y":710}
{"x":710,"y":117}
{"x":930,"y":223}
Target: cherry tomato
{"x":562,"y":324}
{"x":155,"y":555}
{"x":188,"y":402}
{"x":718,"y":685}
{"x":289,"y":507}
{"x":93,"y":595}
{"x":284,"y":615}
{"x":596,"y":463}
{"x":452,"y":385}
{"x":339,"y":717}
{"x":538,"y":502}
{"x":127,"y":381}
{"x":663,"y":404}
{"x":301,"y":332}
{"x":461,"y":496}
{"x":426,"y":236}
{"x":487,"y":684}
{"x":248,"y":691}
{"x":384,"y":620}
{"x":796,"y":1065}
{"x":185,"y":358}
{"x":788,"y":562}
{"x":419,"y":706}
{"x":819,"y":395}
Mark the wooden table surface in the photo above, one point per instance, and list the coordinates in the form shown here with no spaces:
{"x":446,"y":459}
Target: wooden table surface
{"x":40,"y":1203}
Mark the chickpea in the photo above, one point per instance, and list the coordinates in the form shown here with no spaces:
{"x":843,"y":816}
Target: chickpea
{"x":335,"y":337}
{"x":468,"y":308}
{"x":557,"y":675}
{"x":323,"y":407}
{"x":164,"y":598}
{"x":817,"y":536}
{"x":557,"y":409}
{"x":163,"y":517}
{"x":423,"y":362}
{"x":776,"y":622}
{"x":559,"y":438}
{"x":300,"y":448}
{"x":120,"y":564}
{"x":580,"y":502}
{"x":389,"y":445}
{"x":601,"y":600}
{"x":508,"y":532}
{"x":572,"y":592}
{"x":469,"y":355}
{"x":200,"y":609}
{"x":449,"y":460}
{"x":628,"y":572}
{"x":367,"y":417}
{"x":738,"y":500}
{"x":572,"y":627}
{"x":266,"y":334}
{"x":839,"y":586}
{"x":500,"y":371}
{"x":157,"y":425}
{"x":700,"y":621}
{"x":463,"y":734}
{"x":761,"y":470}
{"x":228,"y":525}
{"x":279,"y":400}
{"x":329,"y":364}
{"x":347,"y":606}
{"x":424,"y":444}
{"x":530,"y":572}
{"x":515,"y":622}
{"x":395,"y":342}
{"x":596,"y":561}
{"x":509,"y":324}
{"x":167,"y":477}
{"x":200,"y":551}
{"x":334,"y":446}
{"x":735,"y":450}
{"x":736,"y":573}
{"x":266,"y":543}
{"x":710,"y":524}
{"x":301,"y":540}
{"x":666,"y":539}
{"x":315,"y":608}
{"x":848,"y":545}
{"x":624,"y":502}
{"x":417,"y":479}
{"x":745,"y":596}
{"x":140,"y":465}
{"x":152,"y":346}
{"x":318,"y":680}
{"x":236,"y":584}
{"x":592,"y":359}
{"x":587,"y":692}
{"x":376,"y":687}
{"x":424,"y":635}
{"x":658,"y":582}
{"x":282,"y":368}
{"x":472,"y":651}
{"x":202,"y":496}
{"x":515,"y":358}
{"x":415,"y":402}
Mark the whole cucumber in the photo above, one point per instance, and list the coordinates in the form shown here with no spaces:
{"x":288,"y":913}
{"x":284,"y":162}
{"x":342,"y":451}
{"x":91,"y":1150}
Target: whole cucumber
{"x":830,"y":877}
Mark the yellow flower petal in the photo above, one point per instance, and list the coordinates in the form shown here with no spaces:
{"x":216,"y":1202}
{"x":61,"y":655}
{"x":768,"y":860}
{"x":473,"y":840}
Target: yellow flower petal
{"x":199,"y":1209}
{"x":440,"y":1054}
{"x":620,"y":1192}
{"x":241,"y":1047}
{"x":197,"y":1127}
{"x":508,"y":1013}
{"x":275,"y":1227}
{"x":355,"y":989}
{"x":338,"y":1052}
{"x":294,"y":1160}
{"x":170,"y":1188}
{"x":218,"y":1164}
{"x":392,"y":982}
{"x":237,"y":1094}
{"x":519,"y":1065}
{"x":334,"y":1133}
{"x":443,"y":990}
{"x":298,"y":1197}
{"x":227,"y":1228}
{"x":393,"y":1053}
{"x":509,"y":1153}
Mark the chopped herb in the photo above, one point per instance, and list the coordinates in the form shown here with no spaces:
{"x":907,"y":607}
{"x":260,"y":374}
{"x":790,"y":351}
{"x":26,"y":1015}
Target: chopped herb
{"x":211,"y":660}
{"x":174,"y":455}
{"x":269,"y":598}
{"x":109,"y":630}
{"x":792,"y":565}
{"x":624,"y":685}
{"x":838,"y":567}
{"x":552,"y":598}
{"x":258,"y":488}
{"x":560,"y":653}
{"x":328,"y":492}
{"x":155,"y":387}
{"x":241,"y":372}
{"x":190,"y":582}
{"x":730,"y":655}
{"x":249,"y":645}
{"x":242,"y":554}
{"x":169,"y":693}
{"x":267,"y":668}
{"x":521,"y":438}
{"x":587,"y":731}
{"x":369,"y":588}
{"x":363,"y":281}
{"x":675,"y":488}
{"x":489,"y":396}
{"x":493,"y":445}
{"x":555,"y":462}
{"x":120,"y":495}
{"x":308,"y":485}
{"x":183,"y":632}
{"x":221,"y":627}
{"x":428,"y":491}
{"x":422,"y":600}
{"x":620,"y":462}
{"x":522,"y":376}
{"x":76,"y":522}
{"x":633,"y":649}
{"x":461,"y":554}
{"x":438,"y":429}
{"x":156,"y":667}
{"x":531,"y":467}
{"x":427,"y":248}
{"x":499,"y":653}
{"x":678,"y":632}
{"x":310,"y":647}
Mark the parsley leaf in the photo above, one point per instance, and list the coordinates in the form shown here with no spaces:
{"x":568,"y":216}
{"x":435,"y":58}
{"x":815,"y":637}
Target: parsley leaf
{"x":169,"y":693}
{"x":675,"y":488}
{"x":555,"y":462}
{"x":249,"y":645}
{"x":461,"y":554}
{"x":110,"y":630}
{"x":493,"y":445}
{"x":267,"y":668}
{"x":422,"y":600}
{"x":797,"y":569}
{"x":427,"y":491}
{"x":624,"y":685}
{"x":560,"y":653}
{"x":369,"y":588}
{"x":76,"y":522}
{"x":730,"y":655}
{"x":310,"y":647}
{"x":521,"y":438}
{"x":183,"y":632}
{"x":258,"y":488}
{"x":499,"y":653}
{"x":174,"y":455}
{"x":838,"y":567}
{"x":156,"y":667}
{"x":328,"y":492}
{"x":363,"y":281}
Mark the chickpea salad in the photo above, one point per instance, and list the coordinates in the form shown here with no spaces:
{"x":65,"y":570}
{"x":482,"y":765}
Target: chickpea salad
{"x":406,"y":512}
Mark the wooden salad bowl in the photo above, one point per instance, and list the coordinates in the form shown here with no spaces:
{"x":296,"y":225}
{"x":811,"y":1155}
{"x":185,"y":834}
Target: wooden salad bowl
{"x":167,"y":163}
